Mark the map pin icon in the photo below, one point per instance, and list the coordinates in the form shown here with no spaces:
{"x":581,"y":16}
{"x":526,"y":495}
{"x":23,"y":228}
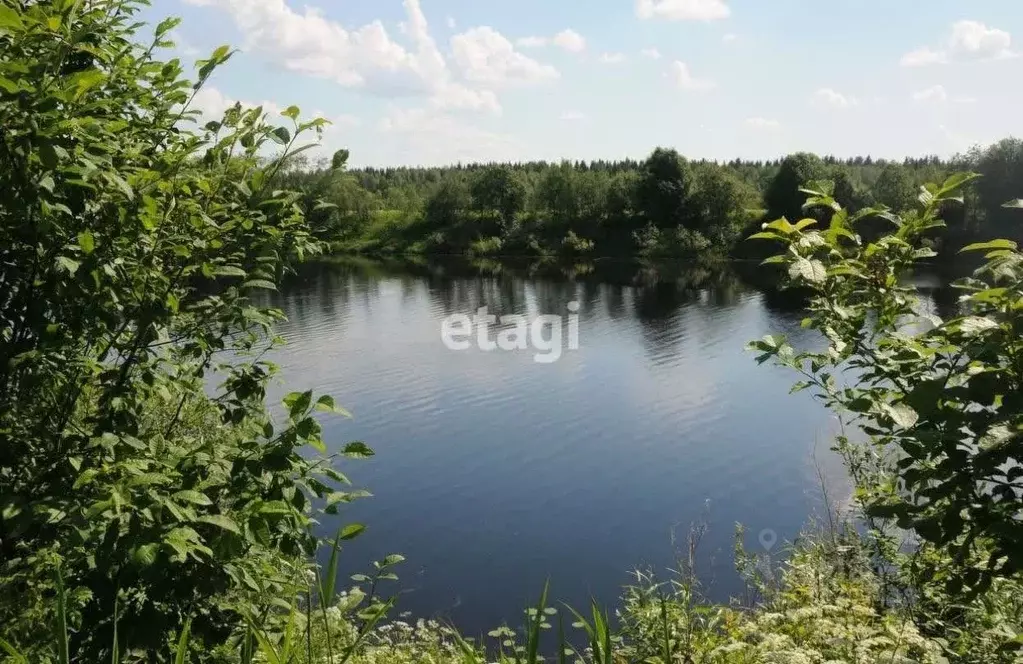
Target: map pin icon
{"x":768,"y":538}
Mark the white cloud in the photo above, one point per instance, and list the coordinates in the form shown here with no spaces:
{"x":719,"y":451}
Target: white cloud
{"x":308,"y":43}
{"x":429,"y":136}
{"x":683,"y":10}
{"x":455,"y":96}
{"x":568,"y":40}
{"x":935,"y":93}
{"x":532,"y":42}
{"x":612,"y":58}
{"x":730,"y":38}
{"x":572,"y":116}
{"x":970,"y":40}
{"x":651,"y":53}
{"x":833,"y":98}
{"x":762,"y":123}
{"x":684,"y":78}
{"x":938,"y":94}
{"x":452,"y":23}
{"x":485,"y":56}
{"x":212,"y":103}
{"x":923,"y":57}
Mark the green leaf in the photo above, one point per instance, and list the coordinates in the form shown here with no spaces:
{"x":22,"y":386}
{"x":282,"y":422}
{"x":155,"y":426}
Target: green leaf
{"x":903,"y":415}
{"x":290,"y":112}
{"x":194,"y":497}
{"x":86,"y":80}
{"x":221,"y":54}
{"x":86,"y":242}
{"x":810,"y":270}
{"x":298,"y":403}
{"x":954,"y":183}
{"x":260,"y":283}
{"x":766,"y":236}
{"x":974,"y":325}
{"x":166,"y":26}
{"x":358,"y":450}
{"x":281,"y":135}
{"x":351,"y":531}
{"x":70,"y":266}
{"x":230,"y":271}
{"x":8,"y":85}
{"x":121,"y":184}
{"x":9,"y":18}
{"x":221,"y":521}
{"x":145,"y":555}
{"x":326,"y":404}
{"x":393,"y":559}
{"x":990,"y":246}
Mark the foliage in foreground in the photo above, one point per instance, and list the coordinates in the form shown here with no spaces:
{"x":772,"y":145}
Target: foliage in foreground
{"x":128,"y":244}
{"x":143,"y":519}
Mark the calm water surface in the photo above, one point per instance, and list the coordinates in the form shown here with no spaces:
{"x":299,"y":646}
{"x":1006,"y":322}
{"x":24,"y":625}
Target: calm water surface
{"x":493,"y":473}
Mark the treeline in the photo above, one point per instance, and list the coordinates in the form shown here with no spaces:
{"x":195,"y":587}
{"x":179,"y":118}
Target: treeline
{"x":663,"y":206}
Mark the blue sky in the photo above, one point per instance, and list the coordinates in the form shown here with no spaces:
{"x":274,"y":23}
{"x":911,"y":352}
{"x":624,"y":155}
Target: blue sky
{"x":440,"y":81}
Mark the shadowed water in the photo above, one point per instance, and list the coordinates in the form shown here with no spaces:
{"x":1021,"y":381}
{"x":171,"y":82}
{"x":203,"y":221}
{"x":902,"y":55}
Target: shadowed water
{"x":493,"y":472}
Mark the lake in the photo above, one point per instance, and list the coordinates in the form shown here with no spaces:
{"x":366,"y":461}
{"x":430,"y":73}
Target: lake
{"x":494,"y":472}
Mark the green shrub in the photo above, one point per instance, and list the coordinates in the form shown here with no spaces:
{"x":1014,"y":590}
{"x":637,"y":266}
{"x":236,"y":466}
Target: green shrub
{"x":130,"y":242}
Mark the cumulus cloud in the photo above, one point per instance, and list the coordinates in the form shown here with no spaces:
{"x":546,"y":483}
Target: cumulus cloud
{"x":923,"y":57}
{"x":973,"y":39}
{"x":369,"y":58}
{"x":651,"y":53}
{"x":938,"y":94}
{"x":485,"y":56}
{"x":430,"y":136}
{"x":572,"y":116}
{"x":831,"y":98}
{"x":684,"y":78}
{"x":683,"y":10}
{"x":729,"y":38}
{"x":969,"y":40}
{"x":568,"y":40}
{"x":612,"y":58}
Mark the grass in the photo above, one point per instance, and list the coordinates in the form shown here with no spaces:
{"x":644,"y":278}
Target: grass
{"x":825,"y":604}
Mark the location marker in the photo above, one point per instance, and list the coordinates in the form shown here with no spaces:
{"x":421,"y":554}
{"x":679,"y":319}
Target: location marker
{"x":768,"y":538}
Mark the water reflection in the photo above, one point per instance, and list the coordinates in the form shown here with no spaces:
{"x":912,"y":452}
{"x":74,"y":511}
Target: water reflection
{"x":493,"y":472}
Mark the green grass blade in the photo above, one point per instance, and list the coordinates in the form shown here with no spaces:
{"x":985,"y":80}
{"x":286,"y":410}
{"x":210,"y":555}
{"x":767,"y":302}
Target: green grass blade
{"x":367,"y":628}
{"x":562,"y":645}
{"x":16,"y":657}
{"x":181,"y":655}
{"x":60,"y":629}
{"x":533,"y":639}
{"x":115,"y":649}
{"x":328,"y":589}
{"x":666,"y":631}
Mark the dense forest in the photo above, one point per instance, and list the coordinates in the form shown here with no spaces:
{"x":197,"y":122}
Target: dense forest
{"x":662,"y":207}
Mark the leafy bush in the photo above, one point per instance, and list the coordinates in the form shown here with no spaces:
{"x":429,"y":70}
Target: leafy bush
{"x":128,"y":245}
{"x":942,"y":404}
